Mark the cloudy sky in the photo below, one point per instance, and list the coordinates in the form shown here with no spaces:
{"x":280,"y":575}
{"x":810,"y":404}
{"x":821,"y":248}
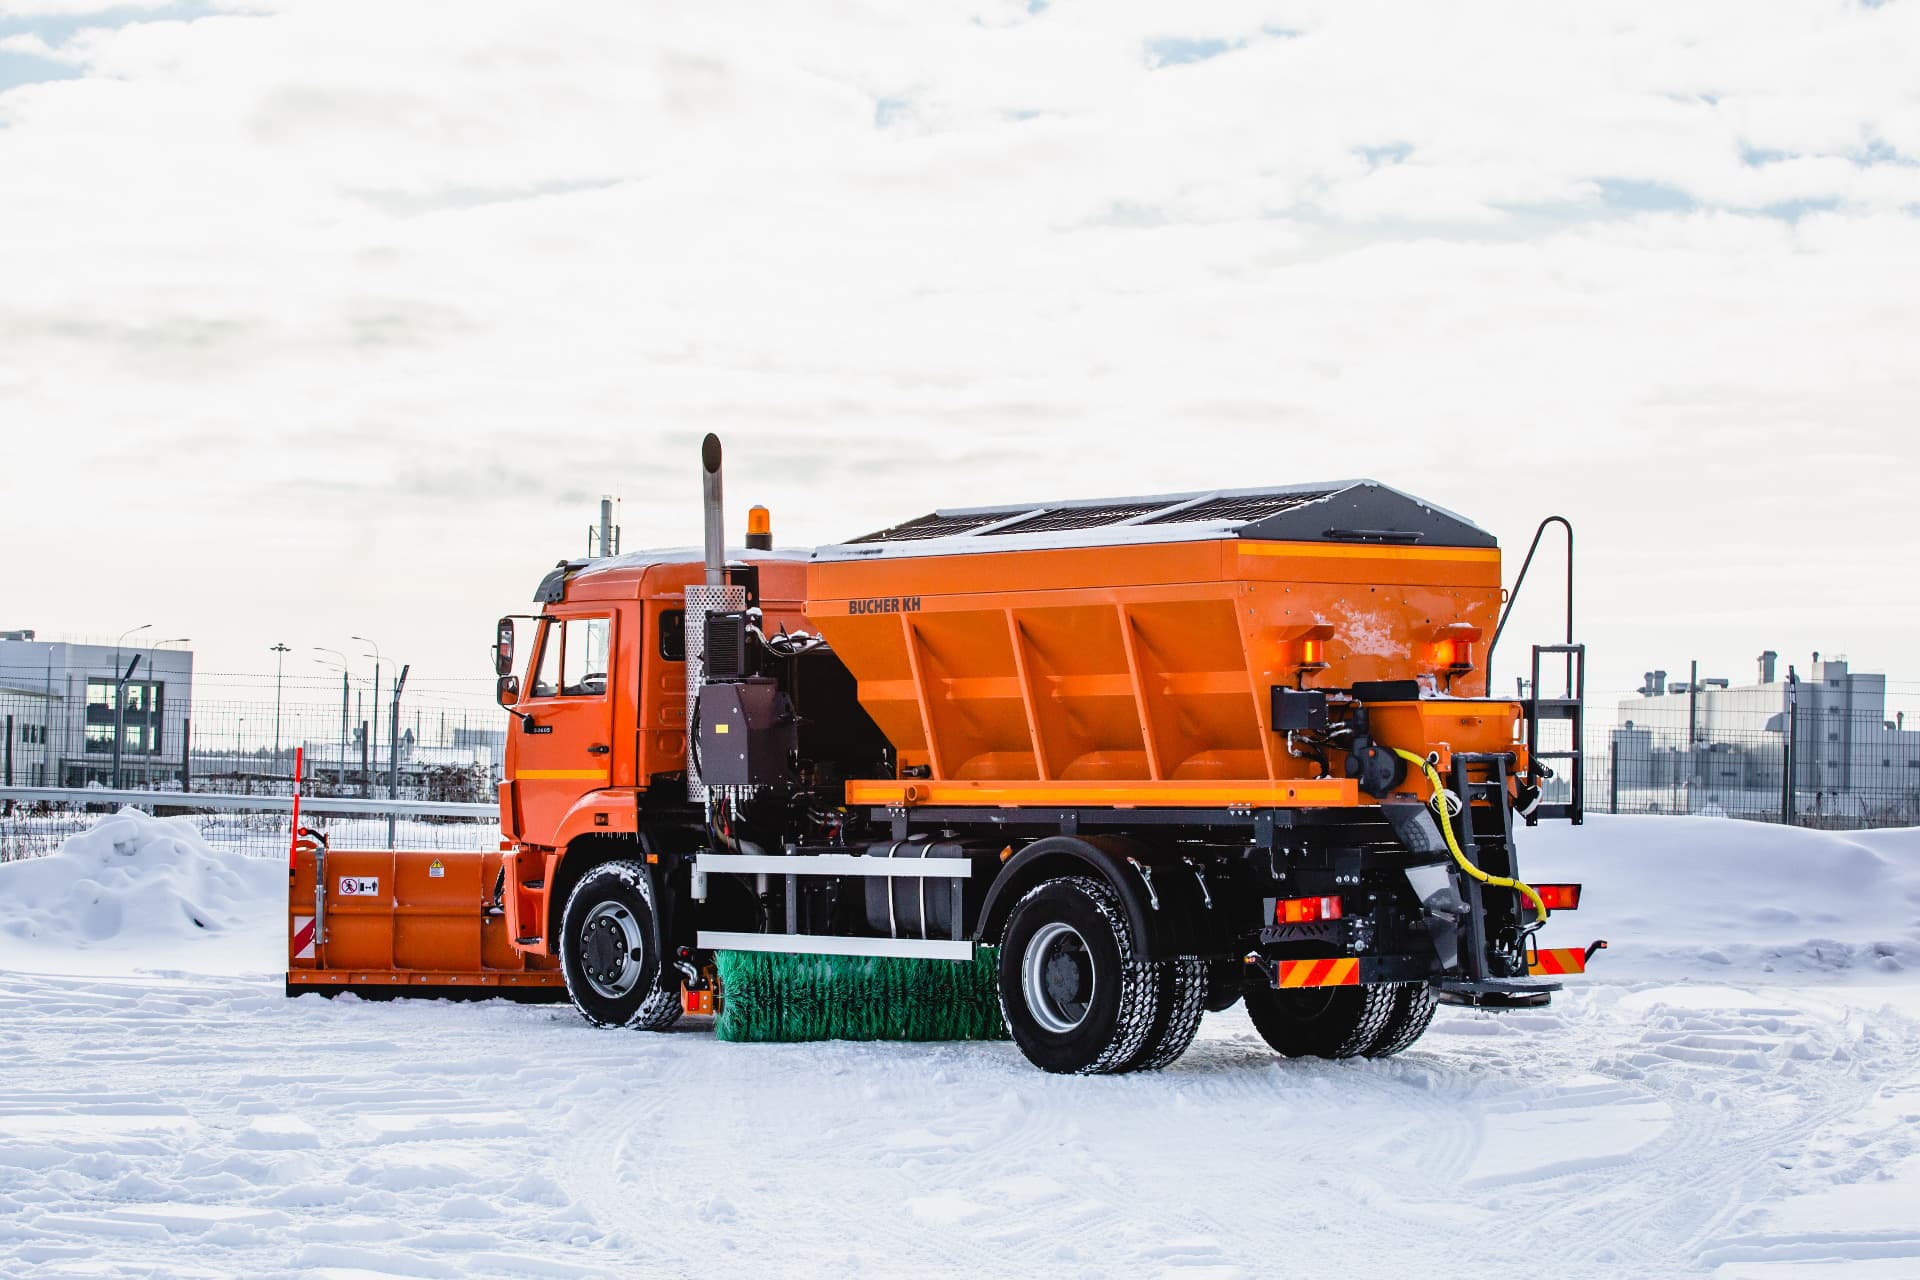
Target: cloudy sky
{"x":322,"y":318}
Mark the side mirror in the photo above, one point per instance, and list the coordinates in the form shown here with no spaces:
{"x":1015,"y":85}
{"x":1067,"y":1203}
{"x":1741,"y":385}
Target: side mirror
{"x":503,"y":648}
{"x":507,"y":692}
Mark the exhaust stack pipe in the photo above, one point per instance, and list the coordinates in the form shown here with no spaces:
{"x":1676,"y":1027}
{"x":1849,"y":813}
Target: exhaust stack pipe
{"x":716,"y":516}
{"x":709,"y":597}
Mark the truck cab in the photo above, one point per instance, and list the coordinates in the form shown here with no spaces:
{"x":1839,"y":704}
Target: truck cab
{"x":596,"y":685}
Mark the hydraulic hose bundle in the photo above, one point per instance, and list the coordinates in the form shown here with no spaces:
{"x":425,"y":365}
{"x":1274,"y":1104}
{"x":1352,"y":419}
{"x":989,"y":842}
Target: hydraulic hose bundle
{"x":1453,"y":844}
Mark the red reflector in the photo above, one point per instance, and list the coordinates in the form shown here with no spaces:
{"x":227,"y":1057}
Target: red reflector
{"x":1559,"y":897}
{"x":1306,"y":910}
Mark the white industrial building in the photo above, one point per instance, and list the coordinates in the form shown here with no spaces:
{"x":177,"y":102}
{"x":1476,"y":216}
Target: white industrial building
{"x":1719,"y":745}
{"x":69,"y":703}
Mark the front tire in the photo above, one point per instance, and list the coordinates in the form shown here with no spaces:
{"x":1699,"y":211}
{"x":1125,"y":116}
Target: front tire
{"x":610,"y":949}
{"x":1074,"y":995}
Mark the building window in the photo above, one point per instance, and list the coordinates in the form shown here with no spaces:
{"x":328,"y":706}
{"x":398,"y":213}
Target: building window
{"x":142,"y":720}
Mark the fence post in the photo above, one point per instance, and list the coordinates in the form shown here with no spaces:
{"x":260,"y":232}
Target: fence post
{"x":186,"y":754}
{"x":1613,"y":775}
{"x":1786,"y":755}
{"x":9,"y":750}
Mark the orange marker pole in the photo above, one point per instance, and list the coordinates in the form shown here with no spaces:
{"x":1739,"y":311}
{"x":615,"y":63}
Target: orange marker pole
{"x":299,"y":767}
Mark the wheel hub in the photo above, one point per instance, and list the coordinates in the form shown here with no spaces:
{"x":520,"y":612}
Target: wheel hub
{"x":1057,"y":977}
{"x":610,"y":947}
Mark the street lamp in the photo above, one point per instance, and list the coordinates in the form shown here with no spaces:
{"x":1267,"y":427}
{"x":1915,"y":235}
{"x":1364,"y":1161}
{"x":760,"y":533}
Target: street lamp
{"x":120,"y":698}
{"x":373,"y":738}
{"x":280,"y":652}
{"x":340,"y":777}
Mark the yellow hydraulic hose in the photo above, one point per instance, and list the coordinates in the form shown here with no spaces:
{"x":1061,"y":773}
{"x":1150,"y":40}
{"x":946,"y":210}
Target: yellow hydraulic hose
{"x":1453,"y":845}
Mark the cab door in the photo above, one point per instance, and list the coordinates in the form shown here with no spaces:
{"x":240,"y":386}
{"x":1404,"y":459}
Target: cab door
{"x":563,"y":738}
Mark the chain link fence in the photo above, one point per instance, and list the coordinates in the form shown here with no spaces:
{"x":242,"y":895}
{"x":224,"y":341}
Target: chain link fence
{"x":1821,"y":756}
{"x":1824,"y":752}
{"x":234,"y":736}
{"x":30,"y":828}
{"x":229,"y":734}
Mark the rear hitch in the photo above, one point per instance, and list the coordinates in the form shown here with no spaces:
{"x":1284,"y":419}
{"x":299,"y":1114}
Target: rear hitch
{"x":1496,"y":993}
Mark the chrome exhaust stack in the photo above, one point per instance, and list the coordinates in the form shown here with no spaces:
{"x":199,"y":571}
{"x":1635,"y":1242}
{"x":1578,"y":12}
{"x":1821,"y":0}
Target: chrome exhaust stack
{"x":715,"y":513}
{"x":712,"y":596}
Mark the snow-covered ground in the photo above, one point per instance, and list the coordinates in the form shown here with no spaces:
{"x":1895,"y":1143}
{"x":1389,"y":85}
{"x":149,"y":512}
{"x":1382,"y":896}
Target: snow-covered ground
{"x":1734,"y":1093}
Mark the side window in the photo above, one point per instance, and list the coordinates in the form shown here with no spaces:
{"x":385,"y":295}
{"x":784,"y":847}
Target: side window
{"x":583,"y":661}
{"x":546,"y":679}
{"x":673,"y":635}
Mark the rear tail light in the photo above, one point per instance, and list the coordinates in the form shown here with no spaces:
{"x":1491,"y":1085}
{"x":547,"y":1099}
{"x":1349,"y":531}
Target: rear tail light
{"x":1306,"y":910}
{"x":1559,"y":897}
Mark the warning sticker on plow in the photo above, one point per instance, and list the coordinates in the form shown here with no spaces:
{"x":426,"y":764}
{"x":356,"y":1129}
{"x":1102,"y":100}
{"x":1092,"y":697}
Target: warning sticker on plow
{"x":359,"y":886}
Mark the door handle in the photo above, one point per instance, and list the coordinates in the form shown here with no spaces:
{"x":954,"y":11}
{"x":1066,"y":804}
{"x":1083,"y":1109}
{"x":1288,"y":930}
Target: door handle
{"x":598,"y":749}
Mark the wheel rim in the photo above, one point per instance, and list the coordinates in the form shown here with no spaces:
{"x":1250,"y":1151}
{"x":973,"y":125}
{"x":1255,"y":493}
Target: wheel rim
{"x":1057,"y":978}
{"x":611,"y":949}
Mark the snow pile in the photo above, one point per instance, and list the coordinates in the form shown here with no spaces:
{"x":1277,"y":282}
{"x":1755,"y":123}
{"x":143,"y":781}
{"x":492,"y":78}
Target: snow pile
{"x":1703,"y":896}
{"x":135,"y":882}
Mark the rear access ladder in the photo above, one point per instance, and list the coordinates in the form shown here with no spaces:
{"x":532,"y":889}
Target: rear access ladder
{"x":1483,"y":828}
{"x":1570,"y":707}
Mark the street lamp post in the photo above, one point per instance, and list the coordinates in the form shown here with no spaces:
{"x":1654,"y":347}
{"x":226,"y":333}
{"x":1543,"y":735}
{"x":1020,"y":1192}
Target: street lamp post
{"x":340,"y":777}
{"x":373,"y":725}
{"x":279,"y":652}
{"x":120,"y":697}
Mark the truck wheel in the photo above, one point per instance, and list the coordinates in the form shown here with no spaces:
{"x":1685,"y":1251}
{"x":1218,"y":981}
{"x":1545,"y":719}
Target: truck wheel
{"x":1183,"y":998}
{"x":1072,"y":993}
{"x":609,"y":948}
{"x":1407,"y":1021}
{"x":1319,"y":1022}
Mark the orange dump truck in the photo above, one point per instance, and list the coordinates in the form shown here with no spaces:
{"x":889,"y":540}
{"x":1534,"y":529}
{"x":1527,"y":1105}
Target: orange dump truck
{"x":1161,"y":754}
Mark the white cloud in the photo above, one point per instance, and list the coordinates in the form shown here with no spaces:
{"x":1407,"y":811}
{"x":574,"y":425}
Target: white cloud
{"x":74,"y":8}
{"x":365,"y":302}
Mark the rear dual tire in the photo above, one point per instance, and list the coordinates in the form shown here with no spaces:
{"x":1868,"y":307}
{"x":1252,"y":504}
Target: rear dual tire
{"x":1340,"y":1022}
{"x":1075,"y":995}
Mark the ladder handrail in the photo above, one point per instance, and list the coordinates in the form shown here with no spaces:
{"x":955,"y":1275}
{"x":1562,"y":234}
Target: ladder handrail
{"x":1513,"y":597}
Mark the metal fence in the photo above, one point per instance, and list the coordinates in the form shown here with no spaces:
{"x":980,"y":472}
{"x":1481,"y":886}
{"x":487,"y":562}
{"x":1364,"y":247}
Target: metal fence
{"x":1822,"y":757}
{"x":33,"y":820}
{"x":239,"y":734}
{"x":1812,"y":763}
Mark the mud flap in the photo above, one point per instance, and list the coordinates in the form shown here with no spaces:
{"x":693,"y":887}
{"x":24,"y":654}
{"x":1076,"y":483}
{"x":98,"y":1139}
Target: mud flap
{"x":1441,"y":906}
{"x":1441,"y":909}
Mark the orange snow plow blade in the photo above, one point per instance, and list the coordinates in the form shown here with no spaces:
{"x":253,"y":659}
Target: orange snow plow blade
{"x":405,"y":923}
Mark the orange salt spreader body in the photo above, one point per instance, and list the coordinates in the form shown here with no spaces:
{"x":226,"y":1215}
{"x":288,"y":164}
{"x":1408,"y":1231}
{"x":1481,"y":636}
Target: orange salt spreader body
{"x":1249,"y":730}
